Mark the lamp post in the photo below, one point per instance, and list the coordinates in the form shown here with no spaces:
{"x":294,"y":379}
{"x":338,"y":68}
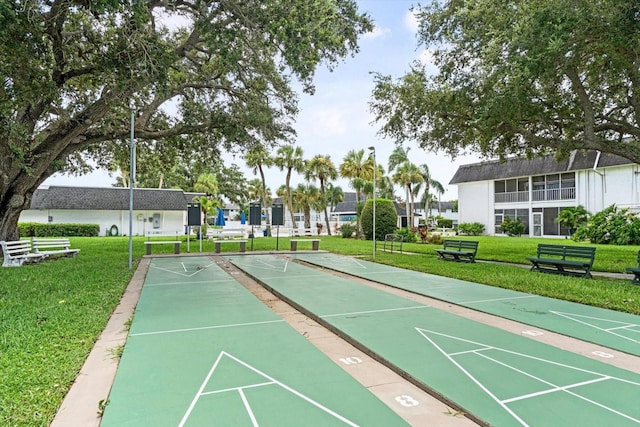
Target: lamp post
{"x":373,"y":153}
{"x":132,"y":178}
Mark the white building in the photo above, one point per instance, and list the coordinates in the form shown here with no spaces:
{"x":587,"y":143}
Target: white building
{"x":109,"y":208}
{"x":536,"y":190}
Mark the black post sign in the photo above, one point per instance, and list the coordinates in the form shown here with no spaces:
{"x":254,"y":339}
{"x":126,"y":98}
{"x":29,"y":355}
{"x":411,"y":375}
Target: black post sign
{"x":277,"y":214}
{"x":193,"y":214}
{"x":255,"y":213}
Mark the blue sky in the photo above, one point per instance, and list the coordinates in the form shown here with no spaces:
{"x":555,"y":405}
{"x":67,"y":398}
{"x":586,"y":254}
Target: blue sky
{"x":336,"y":118}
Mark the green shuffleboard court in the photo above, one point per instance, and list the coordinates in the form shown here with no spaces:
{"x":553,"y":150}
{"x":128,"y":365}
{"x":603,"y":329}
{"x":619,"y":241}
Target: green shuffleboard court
{"x":204,"y":351}
{"x":612,"y":329}
{"x":501,"y":378}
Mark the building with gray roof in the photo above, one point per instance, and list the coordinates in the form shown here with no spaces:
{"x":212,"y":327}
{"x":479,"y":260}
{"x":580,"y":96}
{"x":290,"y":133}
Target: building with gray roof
{"x":536,"y":190}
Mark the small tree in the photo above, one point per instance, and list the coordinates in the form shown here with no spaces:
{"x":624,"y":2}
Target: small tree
{"x":386,"y":218}
{"x":512,"y":227}
{"x":573,"y":217}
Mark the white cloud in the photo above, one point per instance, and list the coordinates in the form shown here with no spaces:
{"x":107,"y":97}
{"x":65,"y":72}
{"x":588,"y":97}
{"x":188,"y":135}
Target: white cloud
{"x":411,"y":21}
{"x":377,"y":33}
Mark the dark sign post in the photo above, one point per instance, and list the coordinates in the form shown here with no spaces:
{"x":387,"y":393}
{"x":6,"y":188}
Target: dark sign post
{"x":255,"y":217}
{"x":194,"y":219}
{"x":277,"y":219}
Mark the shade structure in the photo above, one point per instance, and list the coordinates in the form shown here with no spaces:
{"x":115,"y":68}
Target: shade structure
{"x":243,"y":218}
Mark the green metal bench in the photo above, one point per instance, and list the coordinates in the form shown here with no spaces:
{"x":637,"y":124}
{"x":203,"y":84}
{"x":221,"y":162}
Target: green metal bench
{"x":566,"y":260}
{"x":635,"y":271}
{"x":459,"y":250}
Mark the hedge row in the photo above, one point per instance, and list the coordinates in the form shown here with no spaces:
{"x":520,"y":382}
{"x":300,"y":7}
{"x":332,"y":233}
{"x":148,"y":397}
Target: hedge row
{"x":36,"y":229}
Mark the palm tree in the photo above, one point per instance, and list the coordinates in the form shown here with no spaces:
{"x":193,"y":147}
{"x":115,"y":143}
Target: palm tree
{"x":407,"y":174}
{"x":358,"y":169}
{"x":335,"y":195}
{"x":322,"y":168}
{"x":256,"y":159}
{"x":305,"y":198}
{"x":428,"y":183}
{"x":290,"y":158}
{"x":207,"y":183}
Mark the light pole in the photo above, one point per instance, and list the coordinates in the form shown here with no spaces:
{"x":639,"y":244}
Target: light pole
{"x":373,"y":153}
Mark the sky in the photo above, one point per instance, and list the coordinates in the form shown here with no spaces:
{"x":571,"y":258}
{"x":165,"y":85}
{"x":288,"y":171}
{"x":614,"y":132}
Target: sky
{"x":336,"y":119}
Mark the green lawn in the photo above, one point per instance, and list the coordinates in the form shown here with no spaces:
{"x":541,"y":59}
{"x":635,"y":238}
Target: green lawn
{"x":52,"y":312}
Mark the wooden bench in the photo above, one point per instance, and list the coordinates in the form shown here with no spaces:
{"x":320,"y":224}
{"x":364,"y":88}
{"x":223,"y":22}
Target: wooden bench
{"x":163,"y":233}
{"x":635,"y":271}
{"x":315,"y":243}
{"x":392,"y":241}
{"x":17,"y":252}
{"x":458,"y":250}
{"x":566,"y":260}
{"x":243,"y":244}
{"x":53,"y":246}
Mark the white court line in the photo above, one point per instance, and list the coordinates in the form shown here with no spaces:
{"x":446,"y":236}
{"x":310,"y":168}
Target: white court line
{"x":375,"y":311}
{"x":573,"y":317}
{"x":630,"y":327}
{"x":285,"y":266}
{"x":183,"y":266}
{"x":554,"y":389}
{"x":271,"y":379}
{"x":496,"y":299}
{"x":503,"y":403}
{"x":204,"y":328}
{"x":224,"y":390}
{"x":247,"y":407}
{"x":198,"y":282}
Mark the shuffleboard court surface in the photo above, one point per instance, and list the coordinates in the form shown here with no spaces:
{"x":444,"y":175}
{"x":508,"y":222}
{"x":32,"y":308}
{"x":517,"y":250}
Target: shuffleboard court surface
{"x":609,"y":328}
{"x":501,"y":378}
{"x":203,"y":351}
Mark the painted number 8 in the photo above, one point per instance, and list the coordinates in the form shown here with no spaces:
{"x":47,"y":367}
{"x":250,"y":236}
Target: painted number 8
{"x":405,"y":400}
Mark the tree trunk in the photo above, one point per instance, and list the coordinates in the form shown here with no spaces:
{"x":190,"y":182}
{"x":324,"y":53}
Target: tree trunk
{"x":326,"y":215}
{"x":12,"y":204}
{"x":294,"y":224}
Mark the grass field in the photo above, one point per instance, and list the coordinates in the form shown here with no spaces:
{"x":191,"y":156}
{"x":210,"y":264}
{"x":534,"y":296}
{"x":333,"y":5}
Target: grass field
{"x":52,"y":312}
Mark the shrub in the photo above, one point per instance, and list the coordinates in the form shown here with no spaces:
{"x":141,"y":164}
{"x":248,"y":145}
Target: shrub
{"x":347,"y":230}
{"x":445,"y":222}
{"x":573,"y":217}
{"x":512,"y":227}
{"x":472,"y":228}
{"x":386,"y":218}
{"x":434,"y":239}
{"x":611,"y":226}
{"x":408,"y":236}
{"x":38,"y":229}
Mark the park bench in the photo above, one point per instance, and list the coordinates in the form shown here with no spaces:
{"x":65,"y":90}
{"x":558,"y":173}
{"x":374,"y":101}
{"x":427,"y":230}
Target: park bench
{"x":392,"y":241}
{"x":635,"y":271}
{"x":301,"y":232}
{"x":566,"y":260}
{"x":220,"y":242}
{"x":222,"y":233}
{"x":17,"y":252}
{"x":458,"y":250}
{"x":315,"y":243}
{"x":53,"y":246}
{"x":163,"y":233}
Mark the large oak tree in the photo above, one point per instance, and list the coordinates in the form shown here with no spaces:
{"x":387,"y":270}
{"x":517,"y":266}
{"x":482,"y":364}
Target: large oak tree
{"x":520,"y":77}
{"x":202,"y":77}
